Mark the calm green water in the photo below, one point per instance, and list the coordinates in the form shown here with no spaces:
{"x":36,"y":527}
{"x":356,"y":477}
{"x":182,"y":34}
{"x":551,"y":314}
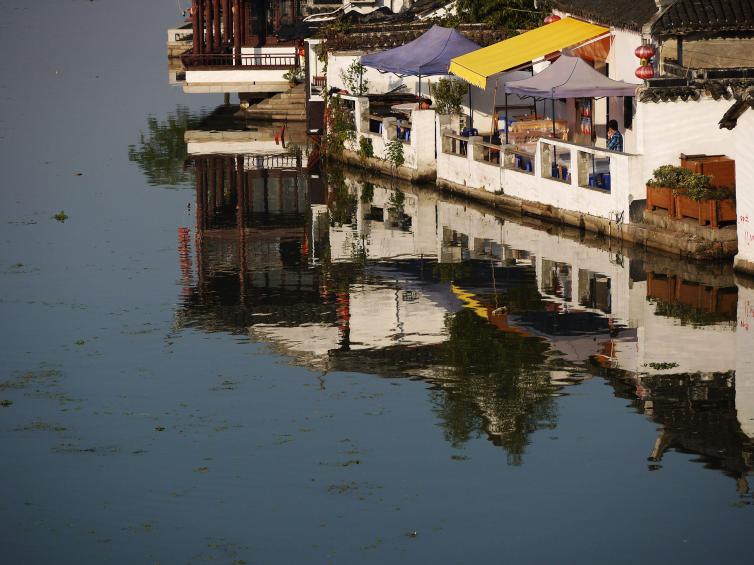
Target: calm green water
{"x":367,"y":372}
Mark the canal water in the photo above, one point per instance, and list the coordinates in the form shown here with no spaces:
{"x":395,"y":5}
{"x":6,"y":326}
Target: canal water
{"x":217,"y":353}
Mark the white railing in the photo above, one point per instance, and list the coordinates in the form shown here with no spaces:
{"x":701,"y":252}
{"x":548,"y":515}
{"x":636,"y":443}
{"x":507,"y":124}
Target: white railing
{"x":565,"y":175}
{"x":382,"y":130}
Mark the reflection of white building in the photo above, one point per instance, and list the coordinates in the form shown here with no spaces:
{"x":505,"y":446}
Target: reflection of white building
{"x":385,"y":232}
{"x":574,"y":278}
{"x":745,"y":358}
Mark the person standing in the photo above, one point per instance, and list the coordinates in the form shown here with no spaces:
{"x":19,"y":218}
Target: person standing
{"x":614,"y":137}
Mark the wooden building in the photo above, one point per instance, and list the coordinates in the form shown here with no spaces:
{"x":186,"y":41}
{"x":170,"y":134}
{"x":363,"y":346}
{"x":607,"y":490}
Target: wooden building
{"x":222,"y":28}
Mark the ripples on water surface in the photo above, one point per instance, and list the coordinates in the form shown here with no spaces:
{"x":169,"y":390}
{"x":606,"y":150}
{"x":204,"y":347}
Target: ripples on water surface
{"x":275,"y":365}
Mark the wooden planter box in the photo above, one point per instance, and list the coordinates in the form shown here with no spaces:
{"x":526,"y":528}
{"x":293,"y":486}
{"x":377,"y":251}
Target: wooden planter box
{"x":710,"y":212}
{"x":722,"y":169}
{"x":661,"y":197}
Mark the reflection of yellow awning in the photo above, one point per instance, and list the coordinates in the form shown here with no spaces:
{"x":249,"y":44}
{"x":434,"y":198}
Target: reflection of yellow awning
{"x":476,"y":67}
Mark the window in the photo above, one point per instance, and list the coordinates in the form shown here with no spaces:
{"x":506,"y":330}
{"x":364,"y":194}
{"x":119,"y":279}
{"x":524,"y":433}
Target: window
{"x":628,"y":111}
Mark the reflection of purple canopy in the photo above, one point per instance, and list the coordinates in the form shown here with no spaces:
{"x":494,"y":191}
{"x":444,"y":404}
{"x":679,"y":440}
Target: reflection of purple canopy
{"x":427,"y":55}
{"x":570,"y":77}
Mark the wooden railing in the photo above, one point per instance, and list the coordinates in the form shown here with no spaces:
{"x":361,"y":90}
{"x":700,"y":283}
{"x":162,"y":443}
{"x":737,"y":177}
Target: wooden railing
{"x":224,"y":60}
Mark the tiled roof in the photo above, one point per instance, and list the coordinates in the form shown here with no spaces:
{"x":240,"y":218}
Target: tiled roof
{"x":743,"y":102}
{"x":693,"y":16}
{"x":629,"y":14}
{"x":672,"y":90}
{"x":377,"y":37}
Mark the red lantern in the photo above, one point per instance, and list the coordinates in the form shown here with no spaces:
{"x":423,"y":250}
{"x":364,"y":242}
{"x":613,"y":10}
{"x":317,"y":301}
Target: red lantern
{"x":644,"y":52}
{"x":645,"y":72}
{"x":552,"y":18}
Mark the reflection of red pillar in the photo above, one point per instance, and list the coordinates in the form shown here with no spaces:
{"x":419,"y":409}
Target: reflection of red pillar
{"x":201,"y":184}
{"x":241,"y":225}
{"x":184,"y":258}
{"x":343,"y":311}
{"x":305,"y":246}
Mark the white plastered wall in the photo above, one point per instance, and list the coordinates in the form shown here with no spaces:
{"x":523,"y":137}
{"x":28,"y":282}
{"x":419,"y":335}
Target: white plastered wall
{"x":745,"y":360}
{"x":743,"y":152}
{"x":667,"y":129}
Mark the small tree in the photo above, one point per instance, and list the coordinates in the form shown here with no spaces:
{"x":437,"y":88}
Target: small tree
{"x":448,"y":95}
{"x":366,"y":150}
{"x":353,"y":78}
{"x":340,"y":126}
{"x":394,"y":152}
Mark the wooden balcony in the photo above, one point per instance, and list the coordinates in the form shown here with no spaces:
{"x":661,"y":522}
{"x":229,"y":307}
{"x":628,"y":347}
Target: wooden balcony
{"x":227,"y":61}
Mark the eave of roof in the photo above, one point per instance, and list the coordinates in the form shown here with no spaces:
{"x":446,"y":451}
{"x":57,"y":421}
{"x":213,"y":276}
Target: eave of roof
{"x":686,"y":17}
{"x":627,"y":14}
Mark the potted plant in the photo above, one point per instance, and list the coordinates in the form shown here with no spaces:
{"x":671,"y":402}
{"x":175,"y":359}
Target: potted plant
{"x":686,"y":194}
{"x":294,"y":76}
{"x":660,"y":187}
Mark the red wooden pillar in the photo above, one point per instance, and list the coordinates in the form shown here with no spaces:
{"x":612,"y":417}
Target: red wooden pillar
{"x":217,"y":21}
{"x":199,"y":46}
{"x":237,"y":30}
{"x":195,"y":27}
{"x":293,"y":11}
{"x":227,"y":23}
{"x":208,"y":28}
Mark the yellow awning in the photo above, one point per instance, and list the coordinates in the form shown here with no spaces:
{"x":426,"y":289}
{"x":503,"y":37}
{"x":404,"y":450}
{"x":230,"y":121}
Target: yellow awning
{"x":476,"y":67}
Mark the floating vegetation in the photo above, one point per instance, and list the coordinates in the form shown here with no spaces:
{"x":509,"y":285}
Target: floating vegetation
{"x":6,"y":403}
{"x":39,"y":426}
{"x":61,"y":217}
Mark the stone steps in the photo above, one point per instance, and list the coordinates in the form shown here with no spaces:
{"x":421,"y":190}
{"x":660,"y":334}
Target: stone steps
{"x":285,"y":106}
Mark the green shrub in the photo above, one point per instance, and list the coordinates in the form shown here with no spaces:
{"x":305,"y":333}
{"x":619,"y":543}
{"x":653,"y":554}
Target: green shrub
{"x":394,"y":151}
{"x":684,"y":181}
{"x":448,"y":95}
{"x":353,"y":79}
{"x":366,"y":150}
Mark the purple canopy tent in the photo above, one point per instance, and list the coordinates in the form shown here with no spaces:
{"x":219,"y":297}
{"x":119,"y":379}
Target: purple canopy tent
{"x":569,"y":77}
{"x":427,"y":55}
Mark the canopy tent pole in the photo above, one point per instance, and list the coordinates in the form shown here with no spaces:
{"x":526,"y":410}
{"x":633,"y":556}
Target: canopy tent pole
{"x":471,"y":109}
{"x":494,"y":112}
{"x":553,"y":118}
{"x":420,"y":85}
{"x":507,"y":121}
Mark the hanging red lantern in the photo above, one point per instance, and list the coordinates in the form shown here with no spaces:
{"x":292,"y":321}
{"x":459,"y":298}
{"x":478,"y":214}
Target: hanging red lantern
{"x":552,"y":18}
{"x":644,"y":52}
{"x":645,"y":72}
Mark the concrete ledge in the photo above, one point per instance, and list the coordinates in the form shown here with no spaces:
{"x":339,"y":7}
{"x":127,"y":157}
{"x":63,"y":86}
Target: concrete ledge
{"x":241,"y":87}
{"x":668,"y":241}
{"x":385,"y":169}
{"x":660,"y":219}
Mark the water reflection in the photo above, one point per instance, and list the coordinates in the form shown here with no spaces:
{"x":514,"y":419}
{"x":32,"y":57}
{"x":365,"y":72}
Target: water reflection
{"x":161,"y":150}
{"x":340,"y":271}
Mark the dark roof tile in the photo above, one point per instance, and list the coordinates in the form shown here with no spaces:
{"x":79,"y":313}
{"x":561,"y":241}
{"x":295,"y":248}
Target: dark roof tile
{"x":695,"y":16}
{"x":629,"y":14}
